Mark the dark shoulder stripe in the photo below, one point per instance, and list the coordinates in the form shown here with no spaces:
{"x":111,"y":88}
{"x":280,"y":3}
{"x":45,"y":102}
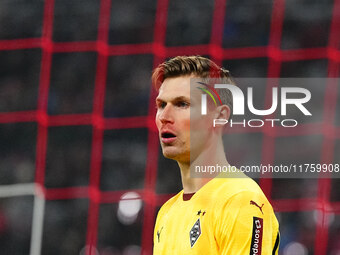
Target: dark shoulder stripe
{"x":277,"y":242}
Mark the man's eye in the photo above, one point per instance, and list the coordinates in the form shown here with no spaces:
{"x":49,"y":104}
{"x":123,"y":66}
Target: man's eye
{"x":160,"y":105}
{"x":182,"y":104}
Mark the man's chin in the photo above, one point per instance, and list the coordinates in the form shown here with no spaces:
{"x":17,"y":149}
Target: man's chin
{"x":174,"y":154}
{"x":170,"y":154}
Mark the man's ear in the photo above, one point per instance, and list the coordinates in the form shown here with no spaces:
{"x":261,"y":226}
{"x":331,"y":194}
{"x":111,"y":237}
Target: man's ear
{"x":222,"y":112}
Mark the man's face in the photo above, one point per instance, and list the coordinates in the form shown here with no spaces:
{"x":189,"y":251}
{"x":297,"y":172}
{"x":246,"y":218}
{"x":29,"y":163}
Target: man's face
{"x":173,"y":118}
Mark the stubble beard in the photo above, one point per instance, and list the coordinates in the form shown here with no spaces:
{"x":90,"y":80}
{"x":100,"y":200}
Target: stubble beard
{"x":177,"y":154}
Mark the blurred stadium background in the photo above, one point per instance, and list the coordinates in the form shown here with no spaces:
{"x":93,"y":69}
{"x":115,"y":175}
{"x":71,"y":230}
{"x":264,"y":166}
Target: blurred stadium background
{"x":80,"y":164}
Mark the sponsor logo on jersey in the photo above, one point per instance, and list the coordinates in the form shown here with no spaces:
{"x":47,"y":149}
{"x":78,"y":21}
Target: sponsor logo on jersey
{"x":256,"y":240}
{"x":195,"y":232}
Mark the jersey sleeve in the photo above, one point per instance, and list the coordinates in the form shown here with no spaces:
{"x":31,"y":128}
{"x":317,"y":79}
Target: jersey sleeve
{"x":246,"y":224}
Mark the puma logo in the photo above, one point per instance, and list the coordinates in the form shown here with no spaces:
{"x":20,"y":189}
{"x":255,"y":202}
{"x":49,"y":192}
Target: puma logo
{"x":159,"y":234}
{"x":254,"y":203}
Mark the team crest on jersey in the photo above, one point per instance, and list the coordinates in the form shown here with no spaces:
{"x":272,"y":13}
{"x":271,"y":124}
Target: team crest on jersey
{"x":195,"y":232}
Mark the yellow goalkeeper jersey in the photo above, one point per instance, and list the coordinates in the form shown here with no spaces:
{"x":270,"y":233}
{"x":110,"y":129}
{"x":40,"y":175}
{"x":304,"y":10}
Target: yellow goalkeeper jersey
{"x":226,"y":216}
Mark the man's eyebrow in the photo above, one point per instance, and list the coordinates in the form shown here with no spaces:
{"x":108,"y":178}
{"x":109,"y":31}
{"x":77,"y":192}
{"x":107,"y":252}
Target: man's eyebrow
{"x":158,"y":100}
{"x":176,"y":99}
{"x":181,"y":98}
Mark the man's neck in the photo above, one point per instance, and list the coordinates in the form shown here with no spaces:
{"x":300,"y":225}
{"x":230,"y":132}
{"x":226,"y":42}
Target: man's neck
{"x":210,"y":156}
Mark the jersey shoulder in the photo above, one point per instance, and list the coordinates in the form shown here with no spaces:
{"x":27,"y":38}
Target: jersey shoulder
{"x":241,"y":191}
{"x":229,"y":187}
{"x":168,"y":204}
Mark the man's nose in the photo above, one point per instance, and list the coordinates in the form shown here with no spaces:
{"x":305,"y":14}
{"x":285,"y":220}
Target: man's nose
{"x":166,"y":115}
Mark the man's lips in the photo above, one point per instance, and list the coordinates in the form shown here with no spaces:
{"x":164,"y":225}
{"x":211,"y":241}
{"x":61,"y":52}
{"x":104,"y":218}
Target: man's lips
{"x":168,"y":137}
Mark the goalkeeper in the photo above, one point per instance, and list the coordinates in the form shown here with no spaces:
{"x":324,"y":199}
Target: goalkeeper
{"x":210,"y":215}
